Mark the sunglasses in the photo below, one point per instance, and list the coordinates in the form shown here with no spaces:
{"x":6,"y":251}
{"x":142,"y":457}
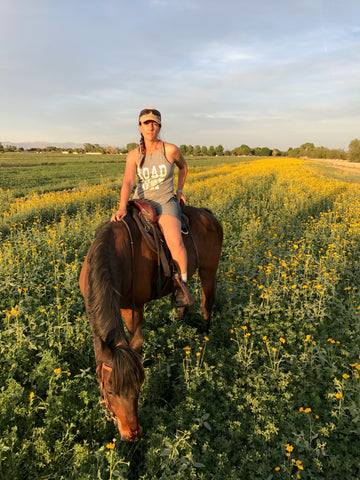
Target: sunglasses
{"x":146,"y":111}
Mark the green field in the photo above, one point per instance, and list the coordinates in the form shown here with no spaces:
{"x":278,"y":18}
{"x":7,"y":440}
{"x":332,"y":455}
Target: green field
{"x":273,"y":392}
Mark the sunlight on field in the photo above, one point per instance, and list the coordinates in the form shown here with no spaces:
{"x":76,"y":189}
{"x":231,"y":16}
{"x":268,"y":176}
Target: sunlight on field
{"x":272,"y":392}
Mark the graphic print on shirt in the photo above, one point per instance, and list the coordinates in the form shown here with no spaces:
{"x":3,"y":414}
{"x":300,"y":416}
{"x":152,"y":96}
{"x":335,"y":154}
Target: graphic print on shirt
{"x":152,"y":179}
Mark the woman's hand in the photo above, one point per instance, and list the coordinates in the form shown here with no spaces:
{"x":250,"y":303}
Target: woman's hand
{"x":180,"y":197}
{"x":119,"y":214}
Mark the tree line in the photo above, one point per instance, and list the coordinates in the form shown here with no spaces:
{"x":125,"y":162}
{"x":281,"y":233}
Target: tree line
{"x":308,"y":150}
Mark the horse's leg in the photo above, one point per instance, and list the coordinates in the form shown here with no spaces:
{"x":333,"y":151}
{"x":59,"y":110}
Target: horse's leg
{"x":134,"y":327}
{"x":208,"y":283}
{"x":181,"y":313}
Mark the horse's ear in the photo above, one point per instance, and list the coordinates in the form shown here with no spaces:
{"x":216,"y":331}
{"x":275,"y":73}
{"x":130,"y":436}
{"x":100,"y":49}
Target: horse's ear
{"x":136,"y":343}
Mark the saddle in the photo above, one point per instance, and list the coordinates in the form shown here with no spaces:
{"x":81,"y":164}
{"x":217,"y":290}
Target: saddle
{"x":146,"y":219}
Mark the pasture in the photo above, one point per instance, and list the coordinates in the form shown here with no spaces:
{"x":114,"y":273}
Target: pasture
{"x":273,"y":392}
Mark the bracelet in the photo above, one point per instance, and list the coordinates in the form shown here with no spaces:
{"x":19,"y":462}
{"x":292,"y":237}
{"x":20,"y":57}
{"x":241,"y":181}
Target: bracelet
{"x":179,"y":191}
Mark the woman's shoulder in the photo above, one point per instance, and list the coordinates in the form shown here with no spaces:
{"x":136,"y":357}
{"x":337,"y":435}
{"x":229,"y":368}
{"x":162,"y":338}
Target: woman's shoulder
{"x":135,"y":151}
{"x":170,"y":148}
{"x":133,"y":155}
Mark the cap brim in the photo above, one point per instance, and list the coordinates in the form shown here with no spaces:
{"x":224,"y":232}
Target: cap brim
{"x":150,"y":116}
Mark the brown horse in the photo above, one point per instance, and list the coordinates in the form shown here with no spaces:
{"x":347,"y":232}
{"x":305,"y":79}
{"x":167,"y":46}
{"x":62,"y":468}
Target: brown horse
{"x":116,"y":281}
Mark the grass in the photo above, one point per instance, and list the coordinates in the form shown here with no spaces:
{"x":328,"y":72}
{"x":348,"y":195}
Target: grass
{"x":273,"y":391}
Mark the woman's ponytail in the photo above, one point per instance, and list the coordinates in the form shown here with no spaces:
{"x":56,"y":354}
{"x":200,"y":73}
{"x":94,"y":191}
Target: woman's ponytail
{"x":142,"y":154}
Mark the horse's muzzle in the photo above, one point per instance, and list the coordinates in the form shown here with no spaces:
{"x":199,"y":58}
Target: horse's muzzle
{"x":133,"y":436}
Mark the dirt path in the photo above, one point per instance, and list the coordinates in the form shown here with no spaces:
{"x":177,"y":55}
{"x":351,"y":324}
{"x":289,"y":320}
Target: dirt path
{"x":340,"y":164}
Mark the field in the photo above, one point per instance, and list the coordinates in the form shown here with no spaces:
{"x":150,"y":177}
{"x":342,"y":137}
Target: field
{"x":273,"y":392}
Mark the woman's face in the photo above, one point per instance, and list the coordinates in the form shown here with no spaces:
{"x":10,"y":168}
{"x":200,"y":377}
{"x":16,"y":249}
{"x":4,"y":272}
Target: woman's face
{"x":150,"y":129}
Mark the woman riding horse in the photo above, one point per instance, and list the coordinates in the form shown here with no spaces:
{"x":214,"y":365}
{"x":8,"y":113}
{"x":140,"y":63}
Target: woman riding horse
{"x":120,"y":269}
{"x":154,"y":164}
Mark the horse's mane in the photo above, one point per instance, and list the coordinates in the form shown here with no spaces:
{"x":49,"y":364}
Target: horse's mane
{"x":104,"y":282}
{"x":105,"y":275}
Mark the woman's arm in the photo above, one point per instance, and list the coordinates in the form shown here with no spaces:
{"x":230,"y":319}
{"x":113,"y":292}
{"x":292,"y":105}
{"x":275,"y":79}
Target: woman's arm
{"x":127,"y":185}
{"x":174,"y":155}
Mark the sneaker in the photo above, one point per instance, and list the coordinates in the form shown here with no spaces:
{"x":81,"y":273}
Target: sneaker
{"x":183,"y":297}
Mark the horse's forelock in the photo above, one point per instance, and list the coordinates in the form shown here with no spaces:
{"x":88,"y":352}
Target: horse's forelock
{"x":128,"y":373}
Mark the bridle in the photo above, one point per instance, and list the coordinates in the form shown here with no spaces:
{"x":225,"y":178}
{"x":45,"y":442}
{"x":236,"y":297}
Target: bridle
{"x":105,"y":401}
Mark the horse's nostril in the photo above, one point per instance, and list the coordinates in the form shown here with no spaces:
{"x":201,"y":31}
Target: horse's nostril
{"x":133,"y":436}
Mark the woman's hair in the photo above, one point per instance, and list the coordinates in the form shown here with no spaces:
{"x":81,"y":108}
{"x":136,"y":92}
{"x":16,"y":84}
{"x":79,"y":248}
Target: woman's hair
{"x":142,"y":152}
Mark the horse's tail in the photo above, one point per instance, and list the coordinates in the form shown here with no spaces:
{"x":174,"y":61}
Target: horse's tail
{"x":105,"y":277}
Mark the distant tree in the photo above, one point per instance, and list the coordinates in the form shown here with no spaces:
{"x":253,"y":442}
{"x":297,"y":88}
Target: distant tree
{"x":1,"y":147}
{"x":197,"y":150}
{"x":190,"y":150}
{"x":111,"y":150}
{"x":131,"y":146}
{"x":227,"y":153}
{"x":183,"y":149}
{"x":211,"y":151}
{"x":219,"y":150}
{"x":262,"y":151}
{"x":88,"y":147}
{"x":307,"y":147}
{"x":338,"y":153}
{"x":354,"y":150}
{"x":243,"y":150}
{"x":10,"y":148}
{"x":204,"y":150}
{"x":293,"y":152}
{"x":246,"y":150}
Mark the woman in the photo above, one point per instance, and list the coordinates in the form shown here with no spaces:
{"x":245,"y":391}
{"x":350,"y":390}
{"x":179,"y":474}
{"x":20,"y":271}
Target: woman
{"x":154,"y":162}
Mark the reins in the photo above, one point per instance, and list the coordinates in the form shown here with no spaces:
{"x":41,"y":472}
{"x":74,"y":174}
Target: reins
{"x":133,"y":276}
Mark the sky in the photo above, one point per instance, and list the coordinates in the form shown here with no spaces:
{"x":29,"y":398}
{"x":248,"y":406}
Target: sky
{"x":274,"y":73}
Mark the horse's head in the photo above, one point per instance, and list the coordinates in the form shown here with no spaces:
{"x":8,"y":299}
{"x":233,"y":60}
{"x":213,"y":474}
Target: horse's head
{"x":120,"y":386}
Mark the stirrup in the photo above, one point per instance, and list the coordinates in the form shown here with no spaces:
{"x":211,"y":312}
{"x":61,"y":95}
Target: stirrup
{"x":182,"y":296}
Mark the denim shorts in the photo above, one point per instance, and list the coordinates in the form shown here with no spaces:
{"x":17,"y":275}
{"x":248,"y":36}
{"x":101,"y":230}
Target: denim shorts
{"x":171,"y":207}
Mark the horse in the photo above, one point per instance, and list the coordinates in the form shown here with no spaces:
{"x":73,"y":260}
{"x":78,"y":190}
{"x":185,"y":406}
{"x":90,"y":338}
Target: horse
{"x":116,"y":280}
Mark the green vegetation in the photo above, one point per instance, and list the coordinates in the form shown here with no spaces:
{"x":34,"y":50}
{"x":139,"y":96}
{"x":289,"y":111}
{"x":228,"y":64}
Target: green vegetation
{"x":307,"y":150}
{"x":30,"y":172}
{"x":273,"y":392}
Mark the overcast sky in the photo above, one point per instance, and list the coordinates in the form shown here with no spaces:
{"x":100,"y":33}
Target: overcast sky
{"x":274,"y":73}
